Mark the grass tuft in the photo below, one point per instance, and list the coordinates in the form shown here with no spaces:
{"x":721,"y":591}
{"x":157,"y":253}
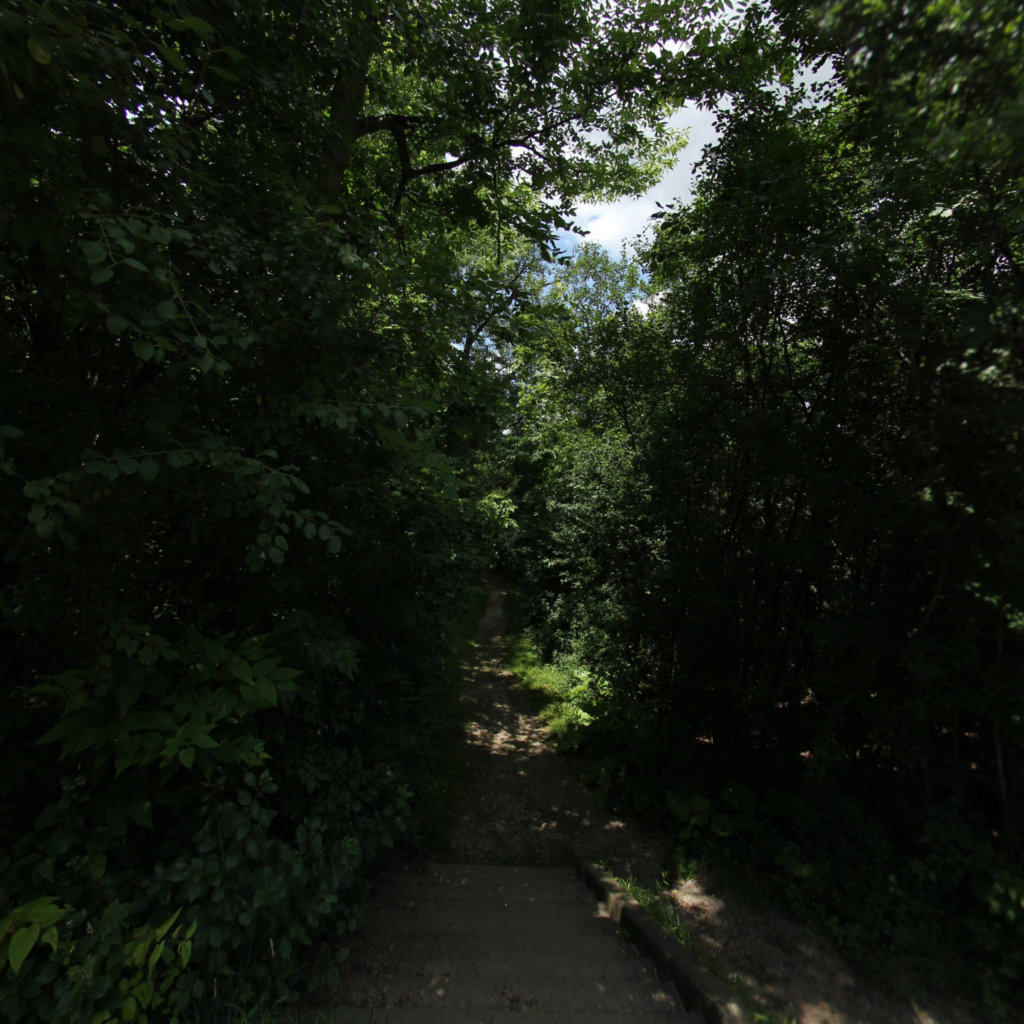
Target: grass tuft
{"x":560,"y":692}
{"x":663,"y":909}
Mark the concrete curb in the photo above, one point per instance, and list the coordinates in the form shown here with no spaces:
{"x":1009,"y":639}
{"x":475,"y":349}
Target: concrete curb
{"x":698,"y":988}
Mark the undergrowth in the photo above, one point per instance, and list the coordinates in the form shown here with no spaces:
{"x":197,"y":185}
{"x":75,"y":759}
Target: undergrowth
{"x":561,"y":693}
{"x":664,"y":911}
{"x":437,"y":782}
{"x":814,"y":850}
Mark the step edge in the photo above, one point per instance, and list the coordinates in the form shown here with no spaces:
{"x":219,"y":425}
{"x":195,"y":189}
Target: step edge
{"x":698,"y":988}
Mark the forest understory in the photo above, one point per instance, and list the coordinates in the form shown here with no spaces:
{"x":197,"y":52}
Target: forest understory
{"x":523,"y":802}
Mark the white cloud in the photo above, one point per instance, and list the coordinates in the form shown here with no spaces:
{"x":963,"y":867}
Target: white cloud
{"x":613,"y":225}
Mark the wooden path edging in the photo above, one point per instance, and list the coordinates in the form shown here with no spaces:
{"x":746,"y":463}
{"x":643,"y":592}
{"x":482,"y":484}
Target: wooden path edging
{"x":698,"y":988}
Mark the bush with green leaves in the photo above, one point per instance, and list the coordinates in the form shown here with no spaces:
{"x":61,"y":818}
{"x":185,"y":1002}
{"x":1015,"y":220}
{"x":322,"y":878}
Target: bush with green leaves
{"x":778,"y":511}
{"x":261,"y":266}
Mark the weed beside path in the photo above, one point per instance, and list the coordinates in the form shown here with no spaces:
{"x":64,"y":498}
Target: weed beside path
{"x":522,"y":803}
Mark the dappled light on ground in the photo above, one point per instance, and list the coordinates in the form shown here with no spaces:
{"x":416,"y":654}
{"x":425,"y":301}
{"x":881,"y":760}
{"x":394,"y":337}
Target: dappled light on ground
{"x":781,"y":966}
{"x":523,"y":804}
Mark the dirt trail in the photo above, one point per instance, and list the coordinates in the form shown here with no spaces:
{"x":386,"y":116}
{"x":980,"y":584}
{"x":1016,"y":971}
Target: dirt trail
{"x":524,"y":804}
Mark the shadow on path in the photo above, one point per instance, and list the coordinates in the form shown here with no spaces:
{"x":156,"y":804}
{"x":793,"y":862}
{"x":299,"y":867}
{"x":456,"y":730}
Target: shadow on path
{"x":522,"y":803}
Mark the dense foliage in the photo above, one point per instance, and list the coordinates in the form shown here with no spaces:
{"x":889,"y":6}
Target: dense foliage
{"x":286,"y":359}
{"x":253,"y":256}
{"x":773,"y":523}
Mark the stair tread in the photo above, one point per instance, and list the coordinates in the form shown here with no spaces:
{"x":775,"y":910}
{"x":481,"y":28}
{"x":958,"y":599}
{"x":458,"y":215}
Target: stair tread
{"x":469,"y":943}
{"x":424,"y":1015}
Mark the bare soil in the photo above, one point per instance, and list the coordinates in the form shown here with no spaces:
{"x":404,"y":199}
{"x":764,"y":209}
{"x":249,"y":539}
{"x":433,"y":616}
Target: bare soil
{"x":522,"y":803}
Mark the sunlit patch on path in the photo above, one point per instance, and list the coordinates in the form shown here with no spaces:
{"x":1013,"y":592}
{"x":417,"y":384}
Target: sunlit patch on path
{"x":499,"y":921}
{"x":522,"y":802}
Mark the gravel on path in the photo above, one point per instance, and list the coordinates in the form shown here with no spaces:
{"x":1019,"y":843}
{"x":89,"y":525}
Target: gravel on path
{"x":522,"y":803}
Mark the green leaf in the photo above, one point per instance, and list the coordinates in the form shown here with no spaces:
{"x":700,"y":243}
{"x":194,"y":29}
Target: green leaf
{"x":21,"y":945}
{"x":267,"y":691}
{"x":172,"y":57}
{"x":240,"y":669}
{"x":200,"y":27}
{"x":116,"y":324}
{"x":101,"y":276}
{"x":164,"y":928}
{"x":217,"y":653}
{"x":149,"y":468}
{"x":145,"y":991}
{"x":40,"y":488}
{"x":167,"y":310}
{"x":50,"y":937}
{"x":42,"y":911}
{"x":38,"y":50}
{"x":144,"y":349}
{"x":128,"y":465}
{"x":94,"y":252}
{"x":187,"y":756}
{"x":679,"y":807}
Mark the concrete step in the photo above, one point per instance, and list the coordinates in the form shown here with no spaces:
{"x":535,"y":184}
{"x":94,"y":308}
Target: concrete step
{"x":418,"y":944}
{"x":482,"y":882}
{"x":471,"y":943}
{"x":513,"y":925}
{"x":513,"y":989}
{"x":589,"y":962}
{"x":486,"y":875}
{"x":423,"y":1015}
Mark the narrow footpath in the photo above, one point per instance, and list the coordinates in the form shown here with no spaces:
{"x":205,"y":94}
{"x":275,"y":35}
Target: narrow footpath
{"x":501,"y":922}
{"x":522,"y":803}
